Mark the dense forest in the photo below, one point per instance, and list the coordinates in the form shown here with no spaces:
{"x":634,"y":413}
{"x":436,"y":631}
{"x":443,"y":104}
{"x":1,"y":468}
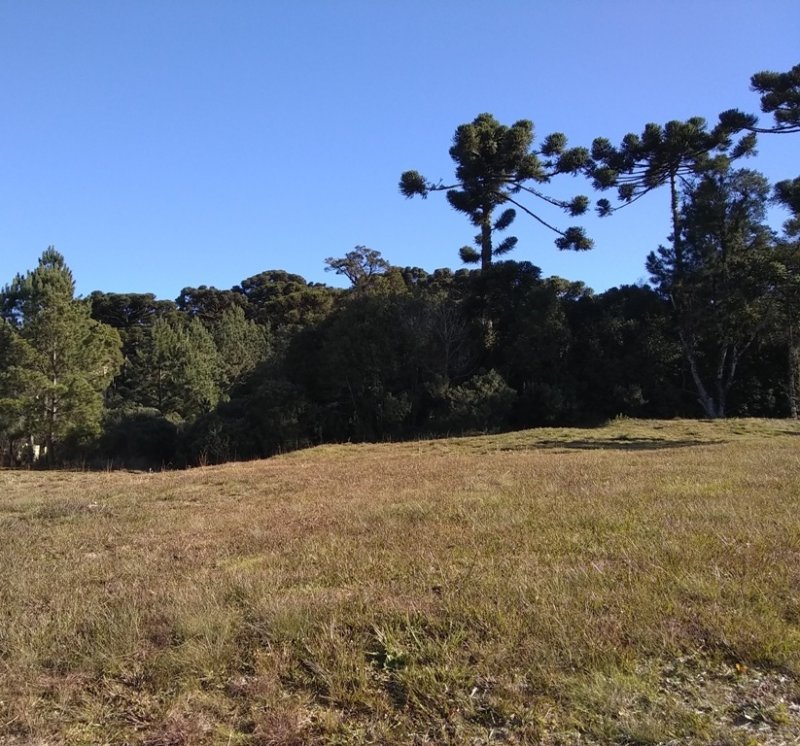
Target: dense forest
{"x":277,"y":363}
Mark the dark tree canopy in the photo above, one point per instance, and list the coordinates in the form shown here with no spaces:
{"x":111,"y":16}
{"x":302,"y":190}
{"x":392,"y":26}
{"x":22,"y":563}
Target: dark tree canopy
{"x":128,"y":310}
{"x":361,"y":266}
{"x":284,"y":300}
{"x":780,"y":96}
{"x":787,"y":193}
{"x":28,"y":294}
{"x":494,"y":166}
{"x":660,"y":154}
{"x":721,"y":287}
{"x":208,"y":303}
{"x":670,"y":155}
{"x":278,"y":363}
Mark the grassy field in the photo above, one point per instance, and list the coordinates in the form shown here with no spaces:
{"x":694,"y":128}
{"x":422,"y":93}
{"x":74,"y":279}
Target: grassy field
{"x":632,"y":584}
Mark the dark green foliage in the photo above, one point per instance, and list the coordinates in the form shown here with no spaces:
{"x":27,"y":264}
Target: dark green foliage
{"x":482,"y":403}
{"x":780,"y":96}
{"x":662,"y":156}
{"x":177,"y":369}
{"x":242,"y":345}
{"x":132,"y":315}
{"x":361,"y":367}
{"x":448,"y":339}
{"x":785,"y":334}
{"x":26,"y":295}
{"x":494,"y":166}
{"x":285,"y":303}
{"x":721,"y":284}
{"x":209,"y":304}
{"x":787,"y":193}
{"x":623,"y":357}
{"x":264,"y":416}
{"x":412,"y":353}
{"x":139,"y":438}
{"x":528,"y":336}
{"x":127,"y":311}
{"x":62,"y":360}
{"x":12,"y":423}
{"x":362,"y":266}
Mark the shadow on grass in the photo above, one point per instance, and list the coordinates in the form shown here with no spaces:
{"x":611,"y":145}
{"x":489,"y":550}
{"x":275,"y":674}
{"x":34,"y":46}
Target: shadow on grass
{"x":624,"y":443}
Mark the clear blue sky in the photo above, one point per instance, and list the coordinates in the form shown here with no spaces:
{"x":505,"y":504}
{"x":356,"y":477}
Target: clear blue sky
{"x":161,"y":144}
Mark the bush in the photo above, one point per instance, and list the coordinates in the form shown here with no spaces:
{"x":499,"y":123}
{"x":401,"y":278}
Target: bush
{"x":483,"y":403}
{"x":140,"y":438}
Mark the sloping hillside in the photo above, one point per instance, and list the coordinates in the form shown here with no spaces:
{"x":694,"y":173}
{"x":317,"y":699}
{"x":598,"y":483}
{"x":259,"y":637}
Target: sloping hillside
{"x":637,"y":583}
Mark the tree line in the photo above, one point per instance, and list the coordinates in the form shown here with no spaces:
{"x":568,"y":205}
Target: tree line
{"x":277,"y":363}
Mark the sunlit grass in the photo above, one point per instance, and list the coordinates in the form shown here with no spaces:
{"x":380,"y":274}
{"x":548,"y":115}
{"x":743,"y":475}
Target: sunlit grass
{"x":637,"y":583}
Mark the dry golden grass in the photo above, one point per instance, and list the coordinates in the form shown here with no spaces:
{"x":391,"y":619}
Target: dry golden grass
{"x":632,"y":584}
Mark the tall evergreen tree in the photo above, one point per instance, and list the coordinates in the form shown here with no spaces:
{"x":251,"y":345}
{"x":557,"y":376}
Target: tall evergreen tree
{"x":132,"y":315}
{"x":787,"y":326}
{"x":64,"y":359}
{"x":787,"y":193}
{"x":177,"y":368}
{"x":722,"y":285}
{"x":671,"y":155}
{"x":241,"y":346}
{"x":495,"y":166}
{"x":12,"y":425}
{"x":50,"y":283}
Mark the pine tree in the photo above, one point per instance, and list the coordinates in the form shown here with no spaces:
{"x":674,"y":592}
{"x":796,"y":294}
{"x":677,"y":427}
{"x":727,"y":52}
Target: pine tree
{"x":780,"y":96}
{"x":495,"y":167}
{"x":722,"y":285}
{"x":177,"y":369}
{"x":241,"y":346}
{"x":63,"y":361}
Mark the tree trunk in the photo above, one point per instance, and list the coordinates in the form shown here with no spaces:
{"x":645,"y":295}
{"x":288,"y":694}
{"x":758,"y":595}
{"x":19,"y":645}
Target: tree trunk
{"x":705,"y":399}
{"x":486,"y":241}
{"x":721,"y":383}
{"x":793,"y":372}
{"x":676,"y":227}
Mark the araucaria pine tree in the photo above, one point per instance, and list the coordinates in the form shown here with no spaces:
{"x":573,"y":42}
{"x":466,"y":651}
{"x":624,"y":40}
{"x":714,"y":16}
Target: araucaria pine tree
{"x":495,"y":168}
